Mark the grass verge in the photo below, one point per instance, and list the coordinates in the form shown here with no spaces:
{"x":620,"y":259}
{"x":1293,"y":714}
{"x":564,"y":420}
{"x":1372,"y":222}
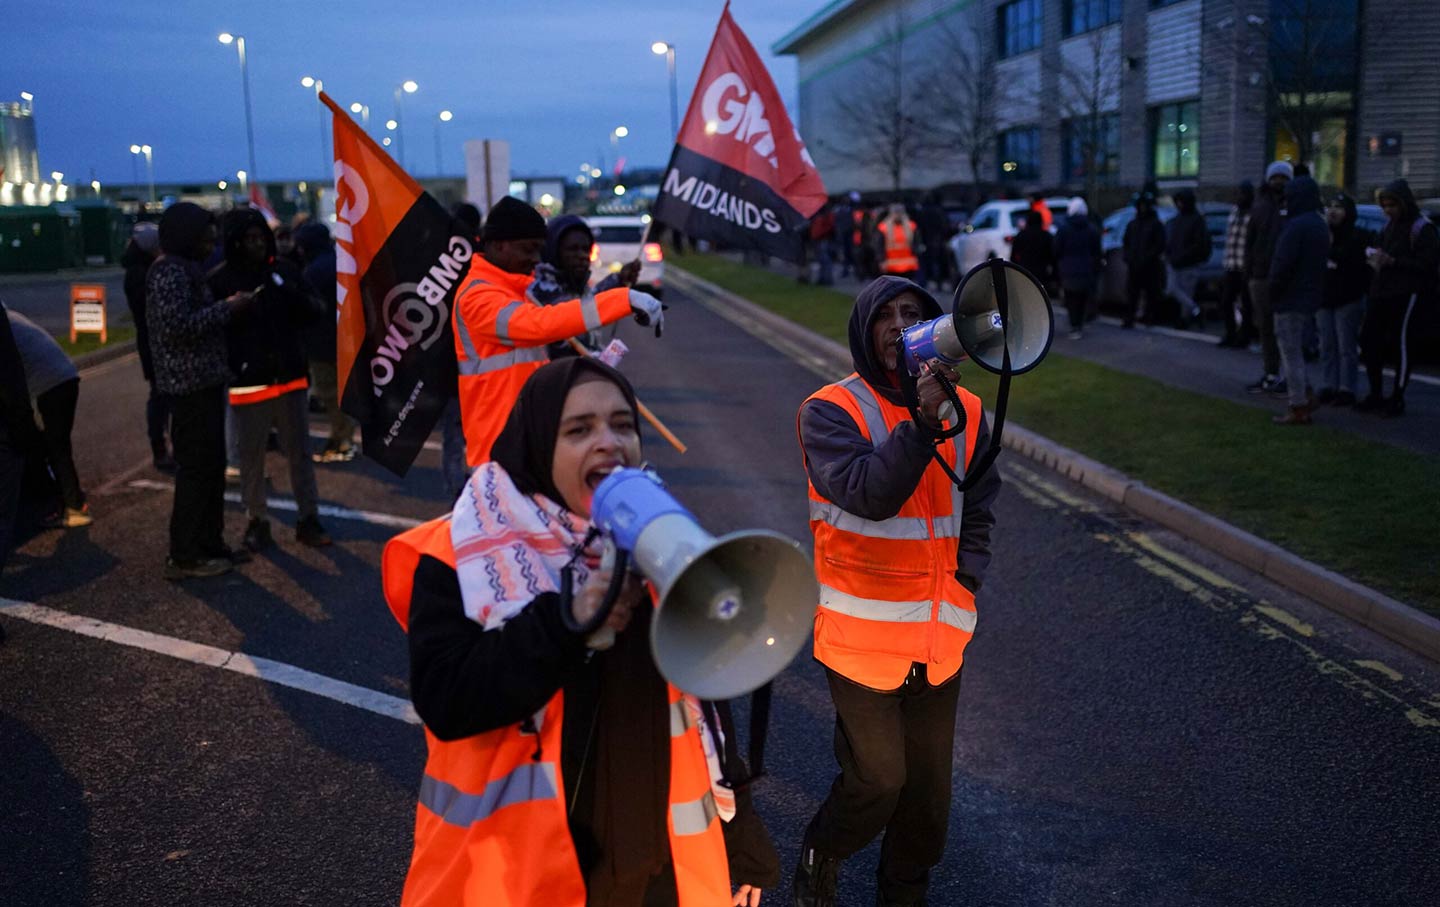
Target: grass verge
{"x":1364,"y":509}
{"x":89,"y":343}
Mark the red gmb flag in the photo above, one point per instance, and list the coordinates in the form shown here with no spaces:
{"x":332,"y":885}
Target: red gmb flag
{"x":739,"y":173}
{"x":399,"y":261}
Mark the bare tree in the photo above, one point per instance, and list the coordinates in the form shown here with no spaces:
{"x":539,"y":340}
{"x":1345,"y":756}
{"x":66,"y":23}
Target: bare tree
{"x":1090,"y":74}
{"x":880,"y":113}
{"x":963,"y":93}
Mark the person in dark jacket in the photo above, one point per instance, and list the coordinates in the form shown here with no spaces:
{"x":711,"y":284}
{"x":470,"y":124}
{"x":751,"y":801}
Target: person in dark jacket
{"x":1234,"y":290}
{"x":55,"y":382}
{"x":1267,"y":218}
{"x":270,"y":384}
{"x":19,"y":438}
{"x":1143,"y":248}
{"x":187,"y":345}
{"x":488,"y":652}
{"x":1077,"y":258}
{"x":1034,"y":249}
{"x":317,"y":251}
{"x":139,"y":252}
{"x":895,"y":746}
{"x":934,"y":230}
{"x":564,"y":274}
{"x":1338,"y":320}
{"x":1187,"y":247}
{"x":1297,"y":288}
{"x":1405,"y":265}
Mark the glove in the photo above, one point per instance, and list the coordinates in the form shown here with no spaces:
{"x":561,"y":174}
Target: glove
{"x":647,"y":311}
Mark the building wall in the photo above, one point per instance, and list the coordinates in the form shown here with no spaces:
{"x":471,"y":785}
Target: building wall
{"x":1400,"y":93}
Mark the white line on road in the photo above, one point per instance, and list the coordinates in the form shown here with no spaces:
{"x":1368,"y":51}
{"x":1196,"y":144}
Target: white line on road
{"x":275,"y":672}
{"x":331,"y":510}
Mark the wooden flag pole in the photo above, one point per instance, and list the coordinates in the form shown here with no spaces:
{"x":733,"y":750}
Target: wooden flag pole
{"x":649,"y":416}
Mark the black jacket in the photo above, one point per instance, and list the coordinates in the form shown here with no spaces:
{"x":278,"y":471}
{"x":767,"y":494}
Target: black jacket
{"x":1034,"y":250}
{"x":1415,"y":246}
{"x":1077,"y":253}
{"x":264,"y":342}
{"x":467,"y":680}
{"x":1267,"y":219}
{"x":1297,"y":269}
{"x":136,"y":262}
{"x":1187,"y":239}
{"x":1347,"y":276}
{"x":1143,"y":245}
{"x":313,"y":240}
{"x":875,"y":482}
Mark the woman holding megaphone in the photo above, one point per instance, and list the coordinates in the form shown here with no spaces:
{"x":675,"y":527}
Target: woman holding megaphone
{"x":559,"y":773}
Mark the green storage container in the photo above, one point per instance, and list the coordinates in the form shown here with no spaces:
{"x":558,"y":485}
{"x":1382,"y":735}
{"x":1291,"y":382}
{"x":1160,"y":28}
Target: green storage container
{"x":33,"y":238}
{"x":104,"y":231}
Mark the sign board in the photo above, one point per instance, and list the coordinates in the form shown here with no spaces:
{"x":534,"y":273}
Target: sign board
{"x":87,"y":310}
{"x":487,"y":172}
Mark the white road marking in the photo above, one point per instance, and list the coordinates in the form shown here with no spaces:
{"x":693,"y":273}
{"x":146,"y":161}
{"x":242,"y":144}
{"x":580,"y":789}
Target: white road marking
{"x":388,"y":520}
{"x":114,"y":483}
{"x":275,"y":672}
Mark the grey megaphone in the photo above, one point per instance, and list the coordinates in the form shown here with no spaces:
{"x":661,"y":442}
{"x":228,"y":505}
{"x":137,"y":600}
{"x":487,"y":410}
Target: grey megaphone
{"x":979,"y":330}
{"x":733,"y":611}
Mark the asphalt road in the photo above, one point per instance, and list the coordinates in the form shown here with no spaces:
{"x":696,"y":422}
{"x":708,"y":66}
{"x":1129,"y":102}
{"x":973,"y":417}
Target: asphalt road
{"x":45,"y":298}
{"x":1141,"y":723}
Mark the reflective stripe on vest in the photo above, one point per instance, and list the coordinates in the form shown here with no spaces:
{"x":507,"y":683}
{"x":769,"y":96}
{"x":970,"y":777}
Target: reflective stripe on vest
{"x":462,"y":331}
{"x":502,"y":324}
{"x":694,"y":818}
{"x":894,"y":612}
{"x":590,"y":311}
{"x":680,"y":718}
{"x":472,"y":367}
{"x":526,"y":783}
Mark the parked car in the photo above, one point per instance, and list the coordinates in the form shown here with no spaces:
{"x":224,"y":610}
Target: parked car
{"x":619,"y":240}
{"x":1116,"y":274}
{"x":992,"y":229}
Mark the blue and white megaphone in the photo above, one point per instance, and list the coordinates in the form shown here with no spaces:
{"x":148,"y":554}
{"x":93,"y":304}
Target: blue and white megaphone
{"x":733,"y":611}
{"x":1001,"y":320}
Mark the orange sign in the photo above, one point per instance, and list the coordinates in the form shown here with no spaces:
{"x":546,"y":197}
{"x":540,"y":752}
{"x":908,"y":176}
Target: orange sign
{"x":87,"y":310}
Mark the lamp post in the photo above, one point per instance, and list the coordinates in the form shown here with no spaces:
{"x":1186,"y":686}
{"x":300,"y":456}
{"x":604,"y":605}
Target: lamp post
{"x":404,"y":88}
{"x":29,"y":100}
{"x":364,"y":111}
{"x":239,"y":42}
{"x":149,"y":165}
{"x":445,"y":116}
{"x":666,"y":49}
{"x":616,"y":134}
{"x":244,"y":179}
{"x":319,"y":86}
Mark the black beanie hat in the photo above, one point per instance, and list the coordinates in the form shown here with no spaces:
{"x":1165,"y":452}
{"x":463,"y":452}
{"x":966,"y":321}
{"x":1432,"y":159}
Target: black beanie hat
{"x":513,"y":219}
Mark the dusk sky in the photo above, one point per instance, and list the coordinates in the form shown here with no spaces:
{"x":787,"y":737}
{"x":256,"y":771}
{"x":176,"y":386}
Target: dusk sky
{"x":553,"y":77}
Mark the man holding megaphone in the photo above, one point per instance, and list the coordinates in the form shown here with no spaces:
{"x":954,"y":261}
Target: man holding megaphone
{"x":900,"y":551}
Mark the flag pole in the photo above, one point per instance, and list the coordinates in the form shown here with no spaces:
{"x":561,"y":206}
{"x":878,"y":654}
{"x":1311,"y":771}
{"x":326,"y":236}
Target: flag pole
{"x":645,"y":412}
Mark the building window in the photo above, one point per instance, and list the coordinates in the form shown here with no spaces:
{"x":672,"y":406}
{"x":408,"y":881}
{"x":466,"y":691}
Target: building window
{"x":1092,"y":145}
{"x":1019,"y":154}
{"x":1156,"y":4}
{"x":1083,"y":15}
{"x":1175,"y":136}
{"x":1017,"y":26}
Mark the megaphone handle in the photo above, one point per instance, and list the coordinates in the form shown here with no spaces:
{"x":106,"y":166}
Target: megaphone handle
{"x":979,"y":467}
{"x":909,"y":389}
{"x":607,"y":604}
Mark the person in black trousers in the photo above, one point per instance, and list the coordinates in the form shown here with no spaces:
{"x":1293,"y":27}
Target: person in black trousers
{"x":1077,"y":258}
{"x":139,"y":254}
{"x":187,"y":337}
{"x":1144,"y":251}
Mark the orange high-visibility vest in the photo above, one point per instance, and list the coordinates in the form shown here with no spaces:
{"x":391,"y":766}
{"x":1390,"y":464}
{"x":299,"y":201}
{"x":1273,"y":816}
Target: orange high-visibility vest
{"x":899,"y":255}
{"x":500,"y":339}
{"x":491,"y":828}
{"x":888,"y":592}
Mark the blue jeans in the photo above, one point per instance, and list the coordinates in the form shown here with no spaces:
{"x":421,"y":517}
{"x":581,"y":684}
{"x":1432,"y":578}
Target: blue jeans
{"x":1290,"y":330}
{"x":1340,"y":346}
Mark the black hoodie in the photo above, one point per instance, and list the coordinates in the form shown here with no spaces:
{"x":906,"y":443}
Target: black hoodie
{"x":1297,"y":268}
{"x":265,"y":342}
{"x":1348,"y":276}
{"x":874,"y":482}
{"x":1415,"y":246}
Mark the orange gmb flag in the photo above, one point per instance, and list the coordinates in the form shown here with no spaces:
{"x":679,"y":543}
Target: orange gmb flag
{"x":399,"y":262}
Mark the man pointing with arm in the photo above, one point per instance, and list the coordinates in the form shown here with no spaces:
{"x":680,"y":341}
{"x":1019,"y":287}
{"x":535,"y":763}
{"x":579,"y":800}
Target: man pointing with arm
{"x":501,"y":334}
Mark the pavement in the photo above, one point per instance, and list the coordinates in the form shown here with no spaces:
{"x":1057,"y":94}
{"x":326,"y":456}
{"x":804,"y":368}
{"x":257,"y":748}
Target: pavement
{"x":1188,"y":360}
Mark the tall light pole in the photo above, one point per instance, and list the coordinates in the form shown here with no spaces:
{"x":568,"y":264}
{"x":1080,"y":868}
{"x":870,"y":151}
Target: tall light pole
{"x":404,"y":88}
{"x":244,"y":179}
{"x":29,"y":100}
{"x":319,"y":86}
{"x":445,"y":116}
{"x":667,"y":50}
{"x":239,"y":41}
{"x":149,"y":165}
{"x":616,"y":134}
{"x":364,"y":112}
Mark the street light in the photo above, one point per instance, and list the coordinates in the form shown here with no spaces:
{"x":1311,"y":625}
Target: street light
{"x":244,"y":179}
{"x":222,"y":184}
{"x":149,"y":165}
{"x":319,"y":86}
{"x":444,"y":117}
{"x":239,"y":42}
{"x":391,"y":124}
{"x":364,"y":111}
{"x":667,"y":50}
{"x":29,"y":100}
{"x":404,"y":88}
{"x":385,"y":141}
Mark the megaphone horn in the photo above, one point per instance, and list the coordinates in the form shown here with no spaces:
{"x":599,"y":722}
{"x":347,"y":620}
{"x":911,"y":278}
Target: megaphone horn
{"x":733,"y":611}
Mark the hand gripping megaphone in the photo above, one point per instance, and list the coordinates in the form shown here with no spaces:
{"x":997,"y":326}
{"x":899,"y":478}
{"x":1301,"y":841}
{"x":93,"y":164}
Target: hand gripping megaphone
{"x":1001,"y":320}
{"x":733,"y":611}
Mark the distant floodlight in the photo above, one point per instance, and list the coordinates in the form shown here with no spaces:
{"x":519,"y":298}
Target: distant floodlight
{"x":391,"y":124}
{"x":659,"y":48}
{"x":226,"y":37}
{"x":446,"y":116}
{"x":308,"y":82}
{"x":356,"y":107}
{"x":410,"y":86}
{"x":619,"y":190}
{"x":621,"y":131}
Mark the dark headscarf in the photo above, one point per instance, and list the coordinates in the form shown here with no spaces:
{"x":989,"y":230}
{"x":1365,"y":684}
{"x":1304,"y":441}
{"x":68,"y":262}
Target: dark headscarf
{"x":181,"y":228}
{"x":526,"y":446}
{"x":234,"y":225}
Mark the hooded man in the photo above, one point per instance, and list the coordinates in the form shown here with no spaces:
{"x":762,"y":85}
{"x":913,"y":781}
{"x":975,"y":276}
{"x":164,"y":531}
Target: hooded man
{"x":1143,"y":248}
{"x":1267,"y":218}
{"x":564,"y":273}
{"x":1297,"y":287}
{"x":501,"y":333}
{"x":1234,"y":293}
{"x":1405,"y":281}
{"x":899,"y":555}
{"x":1077,"y":259}
{"x":270,"y":387}
{"x":1187,"y":247}
{"x":1342,"y":310}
